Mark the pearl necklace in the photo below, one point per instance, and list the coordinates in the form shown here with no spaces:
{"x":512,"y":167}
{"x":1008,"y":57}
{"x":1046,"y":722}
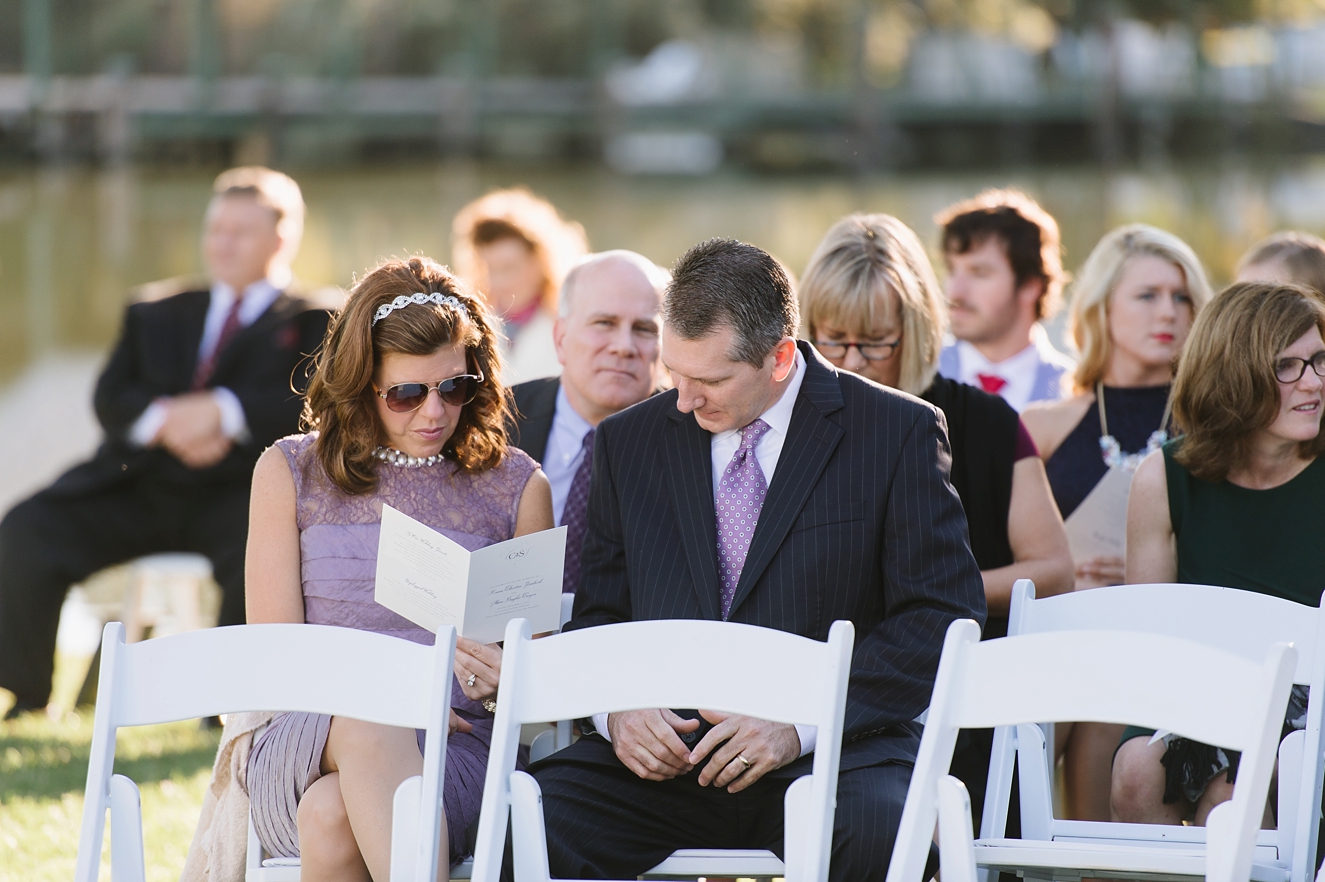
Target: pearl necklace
{"x":391,"y":456}
{"x":1112,"y":451}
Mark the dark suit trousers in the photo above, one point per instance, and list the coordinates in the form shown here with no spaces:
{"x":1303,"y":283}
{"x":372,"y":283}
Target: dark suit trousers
{"x":604,"y":822}
{"x":57,"y":538}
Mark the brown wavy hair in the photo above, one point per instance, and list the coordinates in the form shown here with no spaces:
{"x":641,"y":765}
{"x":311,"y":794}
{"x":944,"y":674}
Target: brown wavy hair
{"x":339,"y":404}
{"x":1226,"y":390}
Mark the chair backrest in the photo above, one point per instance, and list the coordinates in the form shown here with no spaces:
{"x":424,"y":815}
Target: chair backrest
{"x":1243,"y":622}
{"x":274,"y":667}
{"x":1238,"y":621}
{"x":1153,"y":680}
{"x":722,"y":666}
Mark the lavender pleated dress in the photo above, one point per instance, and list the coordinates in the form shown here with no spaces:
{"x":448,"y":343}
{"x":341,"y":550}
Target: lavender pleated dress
{"x":338,"y":557}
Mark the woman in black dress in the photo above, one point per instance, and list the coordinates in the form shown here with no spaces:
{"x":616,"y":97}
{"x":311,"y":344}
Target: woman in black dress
{"x":1132,"y":305}
{"x":872,"y":305}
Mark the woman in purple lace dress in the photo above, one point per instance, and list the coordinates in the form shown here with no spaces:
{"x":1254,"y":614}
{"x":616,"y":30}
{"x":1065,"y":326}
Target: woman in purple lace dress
{"x":406,"y":410}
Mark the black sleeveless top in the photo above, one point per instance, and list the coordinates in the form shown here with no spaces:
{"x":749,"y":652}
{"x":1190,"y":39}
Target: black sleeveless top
{"x":982,"y":430}
{"x":1256,"y":540}
{"x":1077,"y":465}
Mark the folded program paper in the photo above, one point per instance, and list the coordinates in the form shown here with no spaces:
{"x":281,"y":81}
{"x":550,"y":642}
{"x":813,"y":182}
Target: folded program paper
{"x":434,"y":581}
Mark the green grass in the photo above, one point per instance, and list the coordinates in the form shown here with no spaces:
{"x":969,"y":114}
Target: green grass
{"x":43,"y":769}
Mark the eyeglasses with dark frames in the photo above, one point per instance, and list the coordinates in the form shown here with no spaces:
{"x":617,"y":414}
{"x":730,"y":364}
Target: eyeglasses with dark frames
{"x":836,"y":349}
{"x":1292,"y":369}
{"x":407,"y":397}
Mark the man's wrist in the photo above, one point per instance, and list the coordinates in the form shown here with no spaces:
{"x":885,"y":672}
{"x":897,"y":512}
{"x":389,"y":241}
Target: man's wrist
{"x":233,"y":423}
{"x":600,"y":725}
{"x":148,"y":425}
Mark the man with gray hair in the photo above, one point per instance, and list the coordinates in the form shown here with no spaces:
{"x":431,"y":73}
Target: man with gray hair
{"x":606,"y":336}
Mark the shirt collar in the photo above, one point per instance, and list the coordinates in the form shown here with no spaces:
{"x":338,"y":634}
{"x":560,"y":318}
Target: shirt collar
{"x":257,"y":296}
{"x":778,"y":417}
{"x":567,"y":419}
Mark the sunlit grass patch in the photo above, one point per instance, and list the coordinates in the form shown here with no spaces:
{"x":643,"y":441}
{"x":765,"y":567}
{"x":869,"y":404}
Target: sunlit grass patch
{"x":43,"y":770}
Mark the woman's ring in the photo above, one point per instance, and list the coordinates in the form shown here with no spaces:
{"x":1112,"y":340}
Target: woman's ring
{"x":470,"y":681}
{"x":743,"y":761}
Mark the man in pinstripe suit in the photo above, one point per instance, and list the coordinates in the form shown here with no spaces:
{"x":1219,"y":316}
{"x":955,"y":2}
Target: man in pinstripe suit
{"x":771,"y":489}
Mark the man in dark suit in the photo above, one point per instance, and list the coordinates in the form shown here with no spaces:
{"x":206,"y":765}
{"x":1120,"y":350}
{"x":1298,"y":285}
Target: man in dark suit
{"x":606,"y":336}
{"x":197,"y":387}
{"x":855,"y":519}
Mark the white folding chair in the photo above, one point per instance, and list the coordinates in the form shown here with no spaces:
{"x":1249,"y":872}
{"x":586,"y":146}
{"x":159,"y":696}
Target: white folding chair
{"x":268,"y":668}
{"x":754,"y":671}
{"x":1152,"y":680}
{"x":1241,"y":622}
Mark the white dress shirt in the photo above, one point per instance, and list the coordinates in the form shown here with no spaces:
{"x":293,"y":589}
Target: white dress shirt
{"x":565,"y":451}
{"x":258,"y":298}
{"x":1018,"y":371}
{"x":768,"y":450}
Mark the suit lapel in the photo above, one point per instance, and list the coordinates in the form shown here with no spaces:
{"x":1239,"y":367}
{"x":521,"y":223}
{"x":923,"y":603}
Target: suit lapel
{"x":811,"y":440}
{"x":536,"y":425}
{"x":689,"y":460}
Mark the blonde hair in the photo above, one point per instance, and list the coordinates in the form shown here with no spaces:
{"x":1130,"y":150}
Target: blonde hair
{"x":517,"y":214}
{"x":847,"y":282}
{"x":1088,"y":323}
{"x":272,"y":190}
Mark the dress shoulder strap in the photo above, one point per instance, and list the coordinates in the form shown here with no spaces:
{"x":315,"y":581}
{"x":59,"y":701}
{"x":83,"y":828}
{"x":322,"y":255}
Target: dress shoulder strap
{"x":1179,"y":481}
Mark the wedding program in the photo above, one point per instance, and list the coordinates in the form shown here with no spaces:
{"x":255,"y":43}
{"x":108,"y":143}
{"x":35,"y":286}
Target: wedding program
{"x":434,"y":581}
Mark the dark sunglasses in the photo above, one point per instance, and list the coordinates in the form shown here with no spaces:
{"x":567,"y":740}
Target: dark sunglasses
{"x":456,"y":391}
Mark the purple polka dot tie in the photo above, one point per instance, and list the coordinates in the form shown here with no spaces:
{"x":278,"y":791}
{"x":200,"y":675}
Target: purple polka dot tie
{"x":575,"y":516}
{"x":740,"y":497}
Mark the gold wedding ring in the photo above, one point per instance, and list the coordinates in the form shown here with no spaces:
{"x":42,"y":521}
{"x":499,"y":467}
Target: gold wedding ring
{"x":470,"y":681}
{"x":743,"y":761}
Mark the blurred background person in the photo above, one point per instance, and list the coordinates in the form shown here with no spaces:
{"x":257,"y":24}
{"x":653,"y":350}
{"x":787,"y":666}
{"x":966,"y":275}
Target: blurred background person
{"x":1004,"y":275}
{"x":197,"y":386}
{"x":1132,"y":306}
{"x":1234,"y":501}
{"x":872,"y":305}
{"x":515,"y":249}
{"x":606,"y":336}
{"x":1290,"y":258}
{"x":405,"y":410}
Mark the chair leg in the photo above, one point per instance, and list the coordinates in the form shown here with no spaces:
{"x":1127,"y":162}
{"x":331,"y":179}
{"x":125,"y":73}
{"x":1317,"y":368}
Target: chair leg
{"x":126,"y":831}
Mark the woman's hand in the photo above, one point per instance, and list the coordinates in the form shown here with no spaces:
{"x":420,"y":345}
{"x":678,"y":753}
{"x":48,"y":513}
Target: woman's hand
{"x":457,"y":724}
{"x":478,"y":668}
{"x":1094,"y":572}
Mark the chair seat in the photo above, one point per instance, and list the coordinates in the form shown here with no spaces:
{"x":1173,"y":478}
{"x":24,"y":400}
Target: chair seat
{"x":720,"y":862}
{"x":1073,"y":860}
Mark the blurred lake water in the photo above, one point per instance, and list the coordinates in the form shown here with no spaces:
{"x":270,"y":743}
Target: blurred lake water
{"x":74,"y":241}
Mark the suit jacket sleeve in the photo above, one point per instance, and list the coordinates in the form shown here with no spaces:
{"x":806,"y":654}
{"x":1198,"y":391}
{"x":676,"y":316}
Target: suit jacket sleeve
{"x":122,"y":394}
{"x":272,"y":409}
{"x":930,"y":580}
{"x":603,"y":597}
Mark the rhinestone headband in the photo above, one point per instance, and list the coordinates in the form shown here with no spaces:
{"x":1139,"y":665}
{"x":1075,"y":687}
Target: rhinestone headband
{"x":405,"y":300}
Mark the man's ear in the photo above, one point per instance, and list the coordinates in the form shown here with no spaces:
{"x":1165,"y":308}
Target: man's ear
{"x":559,"y":334}
{"x":784,"y":359}
{"x":1029,"y":293}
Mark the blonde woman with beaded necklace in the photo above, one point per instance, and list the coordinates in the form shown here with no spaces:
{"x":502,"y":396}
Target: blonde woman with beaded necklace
{"x":404,"y":408}
{"x":1132,"y":306}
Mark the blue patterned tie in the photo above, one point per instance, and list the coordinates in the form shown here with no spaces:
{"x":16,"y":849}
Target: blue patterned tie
{"x":575,"y":515}
{"x":740,"y":498}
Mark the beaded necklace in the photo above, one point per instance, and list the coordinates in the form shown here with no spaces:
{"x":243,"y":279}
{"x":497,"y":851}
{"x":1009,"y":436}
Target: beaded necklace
{"x":1112,"y":451}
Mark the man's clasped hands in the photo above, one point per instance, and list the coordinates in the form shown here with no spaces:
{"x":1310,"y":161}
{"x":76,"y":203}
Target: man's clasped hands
{"x":648,"y":742}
